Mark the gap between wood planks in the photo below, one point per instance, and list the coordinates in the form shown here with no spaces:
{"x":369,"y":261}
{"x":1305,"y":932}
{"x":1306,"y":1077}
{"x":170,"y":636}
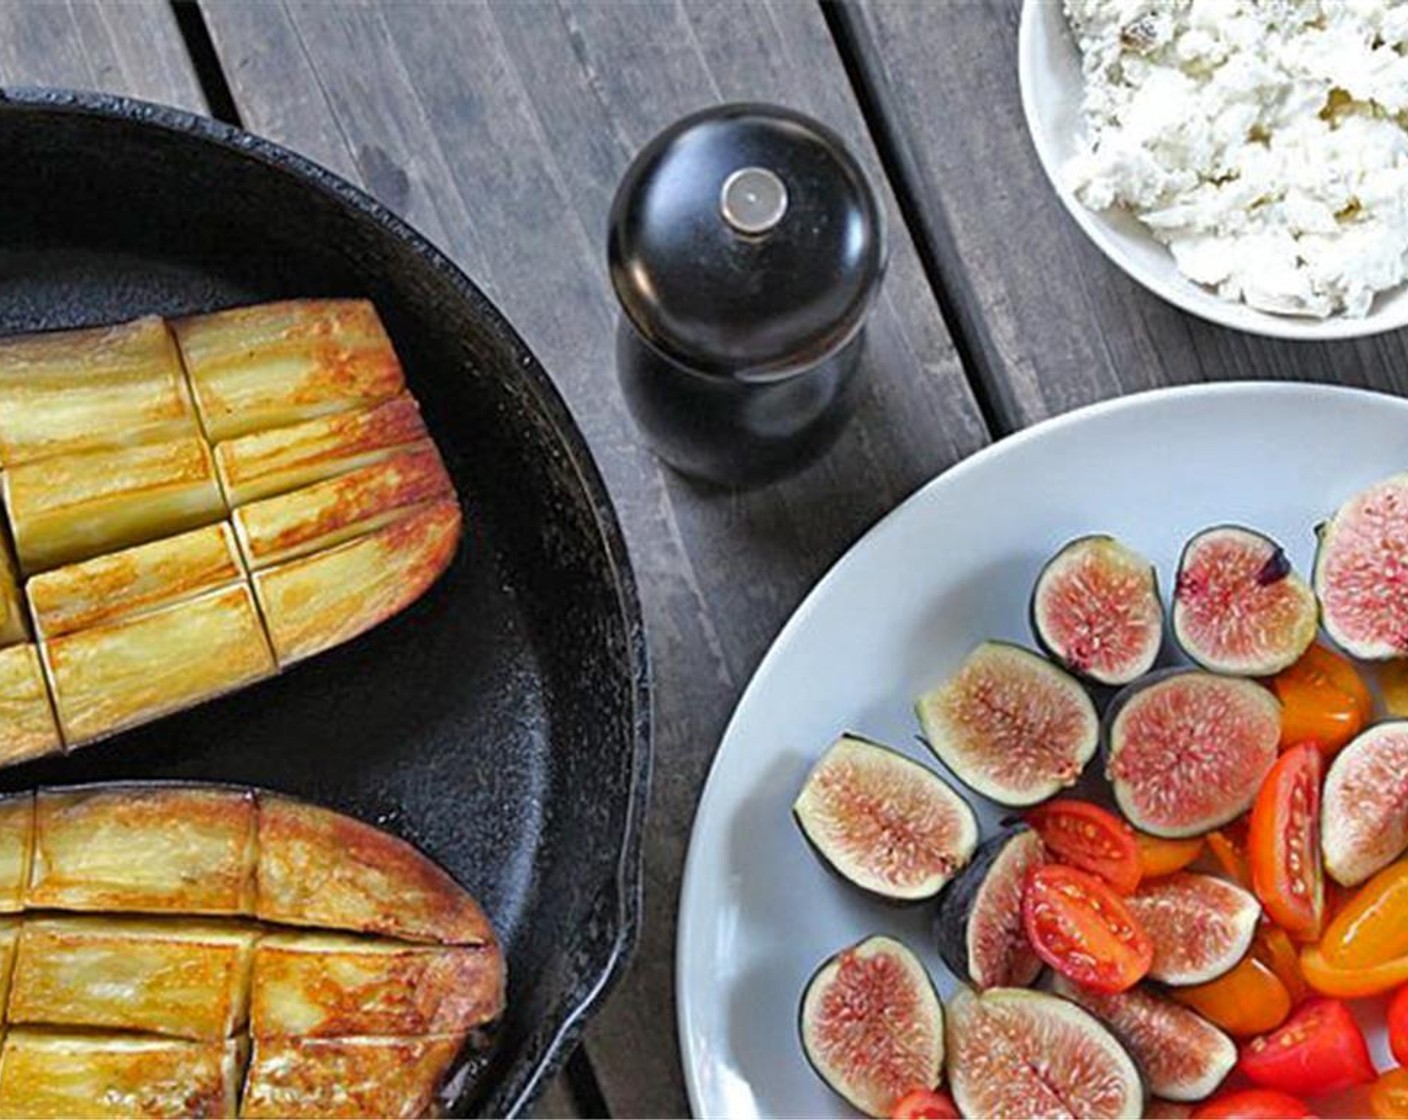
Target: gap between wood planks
{"x":856,"y":49}
{"x":583,"y":1087}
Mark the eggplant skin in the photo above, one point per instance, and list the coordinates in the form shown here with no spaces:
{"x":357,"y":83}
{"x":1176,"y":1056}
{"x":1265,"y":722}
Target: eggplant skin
{"x":320,"y":868}
{"x":291,"y":1078}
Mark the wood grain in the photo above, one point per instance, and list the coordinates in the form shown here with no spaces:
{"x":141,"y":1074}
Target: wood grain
{"x":124,"y":46}
{"x":1049,"y":323}
{"x":501,"y":132}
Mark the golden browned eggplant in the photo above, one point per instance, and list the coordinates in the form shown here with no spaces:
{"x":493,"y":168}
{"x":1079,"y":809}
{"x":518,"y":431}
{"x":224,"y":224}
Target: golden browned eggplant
{"x":82,"y":390}
{"x":144,"y":849}
{"x":45,"y":1074}
{"x":72,"y":507}
{"x":275,"y":442}
{"x":274,"y":364}
{"x":107,"y":678}
{"x":27,"y":727}
{"x":265,"y":463}
{"x":322,"y":600}
{"x":321,"y":516}
{"x":332,"y":985}
{"x":316,"y":1077}
{"x":14,"y":624}
{"x":145,"y":1004}
{"x":320,"y":868}
{"x":109,"y":588}
{"x":178,"y":977}
{"x":16,"y":850}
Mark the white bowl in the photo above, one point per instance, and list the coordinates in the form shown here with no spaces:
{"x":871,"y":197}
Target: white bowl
{"x":1048,"y":71}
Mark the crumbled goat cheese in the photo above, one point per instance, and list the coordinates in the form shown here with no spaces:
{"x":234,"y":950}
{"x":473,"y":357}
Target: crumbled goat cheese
{"x":1264,"y":141}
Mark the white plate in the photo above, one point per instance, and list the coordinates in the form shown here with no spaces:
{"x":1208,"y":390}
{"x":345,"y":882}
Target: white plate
{"x":1048,"y":70}
{"x":951,"y":566}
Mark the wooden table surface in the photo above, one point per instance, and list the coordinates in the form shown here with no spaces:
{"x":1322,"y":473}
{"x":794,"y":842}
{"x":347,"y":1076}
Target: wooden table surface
{"x":501,"y":129}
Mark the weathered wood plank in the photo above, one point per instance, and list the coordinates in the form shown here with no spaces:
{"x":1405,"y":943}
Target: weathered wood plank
{"x":501,"y":132}
{"x":1050,"y":323}
{"x":127,"y":46}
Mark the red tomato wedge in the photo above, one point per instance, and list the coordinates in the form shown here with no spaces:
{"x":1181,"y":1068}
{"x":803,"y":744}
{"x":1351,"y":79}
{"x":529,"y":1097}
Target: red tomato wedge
{"x":1319,"y":1049}
{"x":1082,"y":928}
{"x":1283,"y":843}
{"x":1396,"y":1022}
{"x":925,"y":1104}
{"x":1254,"y":1104}
{"x":1091,"y":838}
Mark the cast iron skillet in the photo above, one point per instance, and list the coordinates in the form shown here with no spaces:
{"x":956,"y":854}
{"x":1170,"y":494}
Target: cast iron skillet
{"x":502,"y":723}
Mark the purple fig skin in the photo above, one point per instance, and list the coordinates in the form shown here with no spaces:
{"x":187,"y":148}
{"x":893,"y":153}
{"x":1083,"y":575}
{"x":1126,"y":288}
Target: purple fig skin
{"x":958,"y":906}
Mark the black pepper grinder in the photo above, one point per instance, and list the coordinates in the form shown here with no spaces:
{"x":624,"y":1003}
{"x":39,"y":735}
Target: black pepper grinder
{"x":746,"y":247}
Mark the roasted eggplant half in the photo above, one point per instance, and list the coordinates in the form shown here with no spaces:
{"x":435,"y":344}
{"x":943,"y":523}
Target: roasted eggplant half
{"x":272,"y":493}
{"x":177,"y":985}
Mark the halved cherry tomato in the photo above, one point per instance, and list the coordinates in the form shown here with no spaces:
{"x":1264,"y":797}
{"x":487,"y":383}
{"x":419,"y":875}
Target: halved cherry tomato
{"x":1254,"y":1104}
{"x":1396,"y":1023}
{"x":1248,"y":1000}
{"x":1319,"y":1049}
{"x":1082,"y":928}
{"x":1373,"y":926}
{"x":1158,"y":856}
{"x":1274,"y":948}
{"x":1229,"y":852}
{"x":1350,"y":983}
{"x":1323,"y":698}
{"x":925,"y":1104}
{"x":1388,"y":1099}
{"x":1089,"y":837}
{"x":1283,"y":840}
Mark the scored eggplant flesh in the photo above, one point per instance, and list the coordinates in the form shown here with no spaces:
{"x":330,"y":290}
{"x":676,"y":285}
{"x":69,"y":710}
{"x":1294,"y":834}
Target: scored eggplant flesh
{"x":163,"y":971}
{"x":285,"y":444}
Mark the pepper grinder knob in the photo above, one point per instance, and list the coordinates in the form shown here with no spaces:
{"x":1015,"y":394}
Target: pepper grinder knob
{"x":746,"y":248}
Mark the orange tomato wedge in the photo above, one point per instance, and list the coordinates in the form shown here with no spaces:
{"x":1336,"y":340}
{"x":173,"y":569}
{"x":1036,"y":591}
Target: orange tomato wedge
{"x":1231,"y":857}
{"x":1273,"y":947}
{"x":1323,"y":698}
{"x":1388,"y":1096}
{"x":1248,"y":1000}
{"x":1158,"y":856}
{"x":1350,"y":983}
{"x":1373,"y":926}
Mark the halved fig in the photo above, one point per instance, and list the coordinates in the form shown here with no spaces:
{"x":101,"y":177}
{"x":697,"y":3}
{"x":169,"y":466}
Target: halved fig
{"x":872,"y":1025}
{"x":1013,"y":1052}
{"x":1201,"y":926}
{"x":1011,"y":725}
{"x":1361,"y":572}
{"x":884,"y":823}
{"x":1183,"y":1057}
{"x":978,"y":926}
{"x":1187,"y":750}
{"x":1238,"y":607}
{"x":1363,"y":821}
{"x":1096,"y":610}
